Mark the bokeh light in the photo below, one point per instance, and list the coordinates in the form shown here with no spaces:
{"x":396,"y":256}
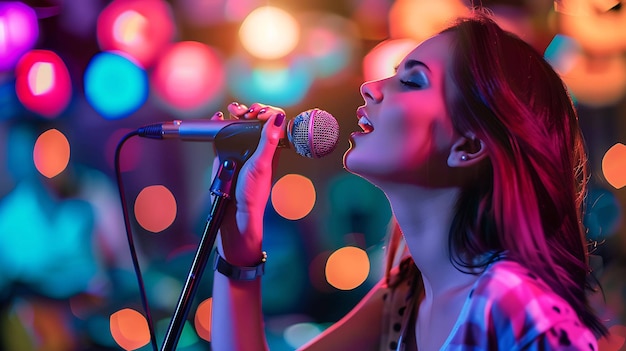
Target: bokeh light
{"x":614,"y":166}
{"x":140,"y":28}
{"x":189,"y":77}
{"x":155,"y":208}
{"x":615,"y":340}
{"x":603,"y":214}
{"x":269,"y":33}
{"x":597,"y":81}
{"x":45,"y":242}
{"x":51,"y":153}
{"x":330,"y":43}
{"x":275,"y":84}
{"x":347,"y":268}
{"x":293,"y":196}
{"x":43,"y":83}
{"x":114,"y":85}
{"x":298,"y":334}
{"x":216,"y":12}
{"x":188,"y":337}
{"x":367,"y":13}
{"x":382,"y":60}
{"x":421,"y":19}
{"x":598,"y":29}
{"x":19,"y":32}
{"x":129,"y":329}
{"x":202,"y":319}
{"x":562,"y":53}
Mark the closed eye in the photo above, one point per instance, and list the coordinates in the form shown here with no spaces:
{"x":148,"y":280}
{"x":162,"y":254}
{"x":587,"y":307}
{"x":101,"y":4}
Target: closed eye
{"x":411,"y":83}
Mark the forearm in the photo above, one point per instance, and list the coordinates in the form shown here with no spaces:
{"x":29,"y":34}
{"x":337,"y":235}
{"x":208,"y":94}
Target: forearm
{"x":237,"y":317}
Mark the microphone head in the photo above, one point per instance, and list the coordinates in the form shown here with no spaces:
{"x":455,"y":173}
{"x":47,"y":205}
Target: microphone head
{"x":313,"y":133}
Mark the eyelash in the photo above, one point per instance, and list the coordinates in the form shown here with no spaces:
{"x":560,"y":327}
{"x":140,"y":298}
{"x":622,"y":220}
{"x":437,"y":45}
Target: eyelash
{"x":410,"y":83}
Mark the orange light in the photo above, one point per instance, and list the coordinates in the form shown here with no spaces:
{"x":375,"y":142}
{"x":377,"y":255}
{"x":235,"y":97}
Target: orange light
{"x":202,"y":320}
{"x":293,"y":196}
{"x":614,"y":166}
{"x":155,"y":208}
{"x":269,"y":33}
{"x":347,"y":268}
{"x":129,"y":329}
{"x":51,"y":153}
{"x":421,"y":19}
{"x":381,"y":61}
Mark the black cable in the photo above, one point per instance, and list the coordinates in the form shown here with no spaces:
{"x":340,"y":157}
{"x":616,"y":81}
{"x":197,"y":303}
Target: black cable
{"x":131,"y":244}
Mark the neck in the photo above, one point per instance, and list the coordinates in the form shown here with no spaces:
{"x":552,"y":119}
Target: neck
{"x":425,"y":217}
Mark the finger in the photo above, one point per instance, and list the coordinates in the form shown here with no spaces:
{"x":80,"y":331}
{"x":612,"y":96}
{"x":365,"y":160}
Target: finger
{"x":217,"y":116}
{"x":270,"y":135}
{"x":253,"y":111}
{"x":237,"y":110}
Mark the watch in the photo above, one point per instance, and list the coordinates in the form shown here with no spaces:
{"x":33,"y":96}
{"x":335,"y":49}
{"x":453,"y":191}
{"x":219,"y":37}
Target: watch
{"x":236,"y":272}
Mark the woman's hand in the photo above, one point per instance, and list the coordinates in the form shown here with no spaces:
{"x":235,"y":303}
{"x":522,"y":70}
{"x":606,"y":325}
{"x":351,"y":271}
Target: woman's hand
{"x":241,"y":230}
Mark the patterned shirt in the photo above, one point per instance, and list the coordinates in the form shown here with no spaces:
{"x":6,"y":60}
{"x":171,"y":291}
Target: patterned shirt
{"x":508,"y":308}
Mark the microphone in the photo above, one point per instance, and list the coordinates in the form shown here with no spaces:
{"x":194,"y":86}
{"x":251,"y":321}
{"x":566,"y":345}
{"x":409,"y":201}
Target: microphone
{"x":313,"y":133}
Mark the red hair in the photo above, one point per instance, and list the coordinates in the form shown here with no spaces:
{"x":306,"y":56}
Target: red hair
{"x":526,"y":201}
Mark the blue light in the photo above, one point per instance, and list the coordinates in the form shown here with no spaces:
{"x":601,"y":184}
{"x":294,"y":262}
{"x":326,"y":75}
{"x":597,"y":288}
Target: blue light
{"x":115,"y":86}
{"x":45,"y":244}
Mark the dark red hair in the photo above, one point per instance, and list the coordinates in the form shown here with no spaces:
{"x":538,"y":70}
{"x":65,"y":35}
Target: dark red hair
{"x":527,"y":201}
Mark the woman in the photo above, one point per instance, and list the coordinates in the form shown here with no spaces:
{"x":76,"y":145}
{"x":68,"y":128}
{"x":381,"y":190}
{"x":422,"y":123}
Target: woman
{"x":484,"y":168}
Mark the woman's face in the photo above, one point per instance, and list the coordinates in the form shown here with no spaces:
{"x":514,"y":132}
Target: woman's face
{"x":407,"y":132}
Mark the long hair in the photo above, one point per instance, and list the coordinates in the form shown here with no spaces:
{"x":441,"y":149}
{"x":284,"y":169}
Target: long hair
{"x":528,"y":200}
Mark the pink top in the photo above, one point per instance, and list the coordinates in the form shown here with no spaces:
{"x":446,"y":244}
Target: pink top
{"x":508,"y":308}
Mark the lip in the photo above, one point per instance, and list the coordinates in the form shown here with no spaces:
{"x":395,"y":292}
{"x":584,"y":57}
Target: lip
{"x":360,"y":112}
{"x":367,"y":127}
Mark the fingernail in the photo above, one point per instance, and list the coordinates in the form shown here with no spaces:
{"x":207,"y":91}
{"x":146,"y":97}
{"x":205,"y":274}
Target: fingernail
{"x":278,"y":121}
{"x":262,"y":111}
{"x":234,"y":103}
{"x":251,"y":110}
{"x":219,"y":114}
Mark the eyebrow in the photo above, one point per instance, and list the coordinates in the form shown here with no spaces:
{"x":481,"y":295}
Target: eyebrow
{"x":412,"y":63}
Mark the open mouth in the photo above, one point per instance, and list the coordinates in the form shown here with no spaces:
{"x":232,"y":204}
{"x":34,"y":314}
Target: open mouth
{"x":365,"y":125}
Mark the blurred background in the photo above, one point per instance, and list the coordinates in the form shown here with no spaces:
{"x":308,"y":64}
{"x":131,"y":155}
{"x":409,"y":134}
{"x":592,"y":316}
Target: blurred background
{"x":77,"y":76}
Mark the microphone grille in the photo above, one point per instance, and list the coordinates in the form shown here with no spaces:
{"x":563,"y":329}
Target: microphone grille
{"x":314,"y":133}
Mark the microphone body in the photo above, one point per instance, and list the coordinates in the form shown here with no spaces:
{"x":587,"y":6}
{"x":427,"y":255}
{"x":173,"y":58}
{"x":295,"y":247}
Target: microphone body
{"x":313,"y":133}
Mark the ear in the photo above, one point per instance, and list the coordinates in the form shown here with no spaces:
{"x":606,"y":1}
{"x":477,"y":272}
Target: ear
{"x":466,"y":151}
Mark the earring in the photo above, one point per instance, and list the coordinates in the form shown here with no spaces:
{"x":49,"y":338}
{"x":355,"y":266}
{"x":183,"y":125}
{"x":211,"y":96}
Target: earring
{"x":464,"y":157}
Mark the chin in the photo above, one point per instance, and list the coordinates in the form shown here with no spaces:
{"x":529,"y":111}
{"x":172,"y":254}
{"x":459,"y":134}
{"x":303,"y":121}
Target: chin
{"x":351,"y":162}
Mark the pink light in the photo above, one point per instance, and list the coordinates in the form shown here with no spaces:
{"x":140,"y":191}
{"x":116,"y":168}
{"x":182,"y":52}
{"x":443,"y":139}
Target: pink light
{"x":43,"y":83}
{"x":140,"y":28}
{"x":18,"y":32}
{"x":189,"y":76}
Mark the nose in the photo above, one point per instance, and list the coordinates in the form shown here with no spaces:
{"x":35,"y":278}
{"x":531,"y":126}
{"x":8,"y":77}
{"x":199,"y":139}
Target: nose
{"x":371,"y":91}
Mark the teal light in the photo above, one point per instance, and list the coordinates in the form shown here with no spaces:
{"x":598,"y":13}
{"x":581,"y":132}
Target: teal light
{"x":602,"y":214}
{"x":46,"y":244}
{"x":561,"y":52}
{"x":188,"y":341}
{"x":280,"y":85}
{"x":115,"y":86}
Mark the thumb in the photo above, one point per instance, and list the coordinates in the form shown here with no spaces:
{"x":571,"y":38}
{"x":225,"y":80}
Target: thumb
{"x":270,"y":136}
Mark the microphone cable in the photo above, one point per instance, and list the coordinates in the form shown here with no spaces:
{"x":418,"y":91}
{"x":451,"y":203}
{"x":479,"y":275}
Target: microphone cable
{"x":129,"y":236}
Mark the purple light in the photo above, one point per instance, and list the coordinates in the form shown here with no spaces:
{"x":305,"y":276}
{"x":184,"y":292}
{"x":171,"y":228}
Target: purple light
{"x":18,"y":32}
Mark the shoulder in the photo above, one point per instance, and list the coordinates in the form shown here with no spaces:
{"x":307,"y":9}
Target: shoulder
{"x":514,"y":306}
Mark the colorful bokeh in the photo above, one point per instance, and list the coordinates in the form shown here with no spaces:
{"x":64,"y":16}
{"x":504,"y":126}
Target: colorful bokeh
{"x":78,"y":77}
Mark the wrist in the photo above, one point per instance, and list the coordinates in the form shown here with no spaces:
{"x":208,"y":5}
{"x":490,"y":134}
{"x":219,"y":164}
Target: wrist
{"x":237,"y":272}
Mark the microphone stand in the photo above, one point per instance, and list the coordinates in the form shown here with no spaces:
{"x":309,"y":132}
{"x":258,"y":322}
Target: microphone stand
{"x":233,"y":149}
